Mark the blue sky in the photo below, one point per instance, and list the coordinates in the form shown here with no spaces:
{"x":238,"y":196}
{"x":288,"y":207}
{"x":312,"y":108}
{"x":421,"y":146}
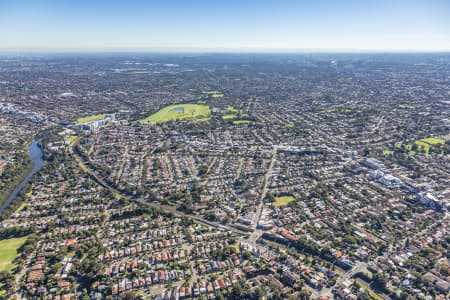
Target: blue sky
{"x":242,"y":25}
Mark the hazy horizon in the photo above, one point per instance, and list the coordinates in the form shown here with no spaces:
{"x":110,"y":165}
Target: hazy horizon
{"x":225,"y":26}
{"x":158,"y":50}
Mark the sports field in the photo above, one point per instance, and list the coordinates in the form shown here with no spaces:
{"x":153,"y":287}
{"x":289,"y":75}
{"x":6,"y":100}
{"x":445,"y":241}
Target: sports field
{"x":433,"y":141}
{"x":282,"y":201}
{"x":174,"y":112}
{"x":239,"y":122}
{"x":233,"y":110}
{"x":228,"y":117}
{"x":426,"y":143}
{"x":90,"y":118}
{"x":8,"y":252}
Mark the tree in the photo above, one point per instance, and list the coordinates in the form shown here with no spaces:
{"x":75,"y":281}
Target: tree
{"x":226,"y":220}
{"x":130,"y":296}
{"x":220,"y":296}
{"x":380,"y":281}
{"x":187,"y":206}
{"x":211,"y":216}
{"x":270,"y":197}
{"x":260,"y":292}
{"x":202,"y":170}
{"x":239,"y":291}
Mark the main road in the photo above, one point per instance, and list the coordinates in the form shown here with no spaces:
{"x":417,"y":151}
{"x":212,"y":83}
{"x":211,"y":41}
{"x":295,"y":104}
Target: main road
{"x":257,"y":216}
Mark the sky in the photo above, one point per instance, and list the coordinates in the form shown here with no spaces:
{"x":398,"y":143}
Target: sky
{"x":225,"y":25}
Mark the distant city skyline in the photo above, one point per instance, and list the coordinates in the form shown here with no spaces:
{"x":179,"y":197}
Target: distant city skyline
{"x":225,"y":26}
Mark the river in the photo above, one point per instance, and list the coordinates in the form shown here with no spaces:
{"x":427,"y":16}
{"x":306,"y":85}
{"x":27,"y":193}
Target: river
{"x":36,"y":155}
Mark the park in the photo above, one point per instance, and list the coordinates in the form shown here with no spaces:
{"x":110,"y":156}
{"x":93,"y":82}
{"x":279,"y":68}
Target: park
{"x":199,"y":112}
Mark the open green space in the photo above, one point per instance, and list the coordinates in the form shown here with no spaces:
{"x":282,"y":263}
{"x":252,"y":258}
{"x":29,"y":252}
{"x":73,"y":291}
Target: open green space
{"x":425,"y":144}
{"x":8,"y":252}
{"x":235,"y":113}
{"x":239,"y":122}
{"x":387,"y":152}
{"x":228,"y":117}
{"x":21,"y":207}
{"x":406,"y":106}
{"x":90,"y":118}
{"x":214,"y":94}
{"x":175,"y":112}
{"x":24,"y":204}
{"x":283,"y":200}
{"x":233,"y":110}
{"x":72,"y":138}
{"x":289,"y":126}
{"x":433,"y":141}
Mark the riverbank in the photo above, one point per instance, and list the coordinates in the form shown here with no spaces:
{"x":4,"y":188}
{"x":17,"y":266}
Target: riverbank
{"x":36,"y":162}
{"x":21,"y":171}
